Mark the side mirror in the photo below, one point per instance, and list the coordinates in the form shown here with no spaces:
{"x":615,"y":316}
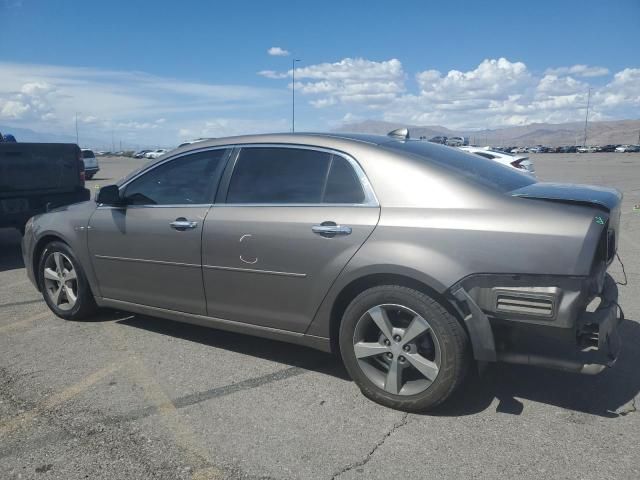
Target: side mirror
{"x":109,"y":195}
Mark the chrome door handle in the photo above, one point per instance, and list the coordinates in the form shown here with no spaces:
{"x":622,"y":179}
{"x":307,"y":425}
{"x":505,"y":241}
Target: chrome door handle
{"x":183,"y":224}
{"x":331,"y":230}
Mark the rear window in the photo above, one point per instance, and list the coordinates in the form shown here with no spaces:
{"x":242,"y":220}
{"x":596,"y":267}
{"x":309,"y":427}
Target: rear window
{"x":87,"y":154}
{"x":472,"y":167}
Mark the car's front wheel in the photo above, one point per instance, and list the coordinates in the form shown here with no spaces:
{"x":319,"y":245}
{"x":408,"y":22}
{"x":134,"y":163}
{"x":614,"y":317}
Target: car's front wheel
{"x":403,"y":348}
{"x":64,"y":284}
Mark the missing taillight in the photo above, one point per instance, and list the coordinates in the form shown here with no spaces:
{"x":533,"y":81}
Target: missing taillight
{"x":518,"y":164}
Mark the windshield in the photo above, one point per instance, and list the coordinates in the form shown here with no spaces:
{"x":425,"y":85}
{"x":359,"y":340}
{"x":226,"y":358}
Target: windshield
{"x":475,"y":168}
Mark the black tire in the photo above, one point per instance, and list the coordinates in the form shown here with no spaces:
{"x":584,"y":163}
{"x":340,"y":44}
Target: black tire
{"x":85,"y":305}
{"x":453,"y":342}
{"x":88,"y":176}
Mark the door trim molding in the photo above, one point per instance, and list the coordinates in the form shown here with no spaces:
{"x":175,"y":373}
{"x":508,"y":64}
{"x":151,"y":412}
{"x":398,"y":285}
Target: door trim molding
{"x":255,"y":270}
{"x":144,"y":260}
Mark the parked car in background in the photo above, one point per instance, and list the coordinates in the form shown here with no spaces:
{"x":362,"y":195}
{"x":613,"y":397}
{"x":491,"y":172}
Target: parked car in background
{"x":140,"y":153}
{"x":519,"y":150}
{"x":348,"y":244}
{"x":35,"y":177}
{"x":519,"y":162}
{"x":457,"y":141}
{"x":91,"y":166}
{"x":586,"y":149}
{"x":155,"y":153}
{"x":439,"y":139}
{"x":627,"y":148}
{"x":607,"y":148}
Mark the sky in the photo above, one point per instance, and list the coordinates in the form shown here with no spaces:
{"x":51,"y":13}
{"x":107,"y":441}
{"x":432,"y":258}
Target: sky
{"x":160,"y":72}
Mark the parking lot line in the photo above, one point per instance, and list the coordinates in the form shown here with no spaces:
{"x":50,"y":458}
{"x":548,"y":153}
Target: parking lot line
{"x":183,"y":436}
{"x":21,"y":323}
{"x":68,"y":393}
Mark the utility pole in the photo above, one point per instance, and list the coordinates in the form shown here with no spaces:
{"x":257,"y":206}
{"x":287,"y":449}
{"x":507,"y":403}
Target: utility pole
{"x":77,"y":141}
{"x":586,"y":118}
{"x":293,"y":94}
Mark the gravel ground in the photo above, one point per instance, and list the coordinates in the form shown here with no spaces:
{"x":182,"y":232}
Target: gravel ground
{"x":137,"y":397}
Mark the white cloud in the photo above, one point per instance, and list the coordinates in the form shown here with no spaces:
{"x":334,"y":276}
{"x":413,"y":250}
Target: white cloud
{"x":579,"y":71}
{"x":498,"y":92}
{"x":223,"y":127}
{"x":352,"y":80}
{"x":47,"y":98}
{"x":272,"y":74}
{"x":278,"y":52}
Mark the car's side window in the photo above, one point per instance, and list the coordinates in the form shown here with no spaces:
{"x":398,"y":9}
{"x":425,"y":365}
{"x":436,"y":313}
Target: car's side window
{"x":343,"y":185}
{"x":187,"y":180}
{"x":278,"y":175}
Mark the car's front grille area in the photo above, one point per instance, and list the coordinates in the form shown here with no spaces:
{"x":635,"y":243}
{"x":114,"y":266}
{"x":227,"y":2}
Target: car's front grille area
{"x":524,"y":305}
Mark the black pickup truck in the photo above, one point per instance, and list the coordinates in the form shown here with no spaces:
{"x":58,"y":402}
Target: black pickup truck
{"x":36,"y":177}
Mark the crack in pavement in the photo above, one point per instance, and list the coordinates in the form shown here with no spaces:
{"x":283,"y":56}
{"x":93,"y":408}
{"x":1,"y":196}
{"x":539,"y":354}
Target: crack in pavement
{"x":379,"y":443}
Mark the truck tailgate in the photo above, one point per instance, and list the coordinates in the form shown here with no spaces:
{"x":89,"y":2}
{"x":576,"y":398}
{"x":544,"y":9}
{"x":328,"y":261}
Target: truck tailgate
{"x":41,"y":167}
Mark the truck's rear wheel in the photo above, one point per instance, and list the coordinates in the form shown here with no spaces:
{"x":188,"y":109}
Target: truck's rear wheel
{"x":63,"y":283}
{"x":402,"y":348}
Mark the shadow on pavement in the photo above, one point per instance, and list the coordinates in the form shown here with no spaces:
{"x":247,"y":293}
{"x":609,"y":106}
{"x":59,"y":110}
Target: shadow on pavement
{"x":10,"y":249}
{"x":609,"y":394}
{"x":601,"y":395}
{"x":272,"y":350}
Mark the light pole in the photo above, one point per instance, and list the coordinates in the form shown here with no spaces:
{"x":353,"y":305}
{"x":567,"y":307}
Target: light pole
{"x":77,"y":141}
{"x":586,"y":118}
{"x":293,"y":94}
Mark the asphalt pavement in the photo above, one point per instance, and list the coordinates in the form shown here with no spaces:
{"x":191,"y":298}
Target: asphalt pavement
{"x":132,"y":397}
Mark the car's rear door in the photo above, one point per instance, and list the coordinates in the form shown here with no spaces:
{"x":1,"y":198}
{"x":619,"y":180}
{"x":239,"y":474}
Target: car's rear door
{"x":149,"y":251}
{"x":290,"y":219}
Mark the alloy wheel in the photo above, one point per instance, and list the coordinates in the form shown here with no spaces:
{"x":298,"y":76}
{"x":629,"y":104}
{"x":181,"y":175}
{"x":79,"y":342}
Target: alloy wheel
{"x":397,"y":349}
{"x":61,"y":281}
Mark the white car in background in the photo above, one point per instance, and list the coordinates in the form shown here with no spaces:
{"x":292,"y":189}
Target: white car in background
{"x":518,"y":162}
{"x":519,"y":150}
{"x":155,"y":153}
{"x":586,"y":149}
{"x":627,"y":148}
{"x":91,"y":166}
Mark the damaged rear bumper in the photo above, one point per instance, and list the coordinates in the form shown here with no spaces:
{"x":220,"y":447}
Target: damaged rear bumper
{"x":574,"y":338}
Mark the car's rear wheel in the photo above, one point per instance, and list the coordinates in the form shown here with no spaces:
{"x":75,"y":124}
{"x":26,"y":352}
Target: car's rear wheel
{"x":403,"y":348}
{"x":64,"y":284}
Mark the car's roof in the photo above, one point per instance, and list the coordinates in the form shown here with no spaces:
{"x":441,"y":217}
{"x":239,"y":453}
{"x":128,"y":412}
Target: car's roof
{"x":309,"y":138}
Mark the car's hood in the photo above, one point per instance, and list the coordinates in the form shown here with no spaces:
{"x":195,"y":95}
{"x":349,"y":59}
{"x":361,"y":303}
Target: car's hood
{"x":608,"y":198}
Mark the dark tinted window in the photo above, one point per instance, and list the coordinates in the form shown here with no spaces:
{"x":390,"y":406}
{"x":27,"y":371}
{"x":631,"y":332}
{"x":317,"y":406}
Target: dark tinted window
{"x":87,"y":154}
{"x":343,"y":185}
{"x":186,"y":180}
{"x":476,"y":169}
{"x":278,"y":175}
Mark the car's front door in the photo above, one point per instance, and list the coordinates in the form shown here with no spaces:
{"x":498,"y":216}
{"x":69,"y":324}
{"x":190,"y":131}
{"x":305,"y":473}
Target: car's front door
{"x":291,"y":220}
{"x":148,"y":252}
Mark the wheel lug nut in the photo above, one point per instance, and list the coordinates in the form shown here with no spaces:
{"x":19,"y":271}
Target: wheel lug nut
{"x":389,"y":355}
{"x":401,"y":359}
{"x":387,"y":342}
{"x":406,"y":348}
{"x":397,"y":338}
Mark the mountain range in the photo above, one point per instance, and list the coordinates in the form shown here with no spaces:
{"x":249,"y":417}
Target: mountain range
{"x":598,"y":133}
